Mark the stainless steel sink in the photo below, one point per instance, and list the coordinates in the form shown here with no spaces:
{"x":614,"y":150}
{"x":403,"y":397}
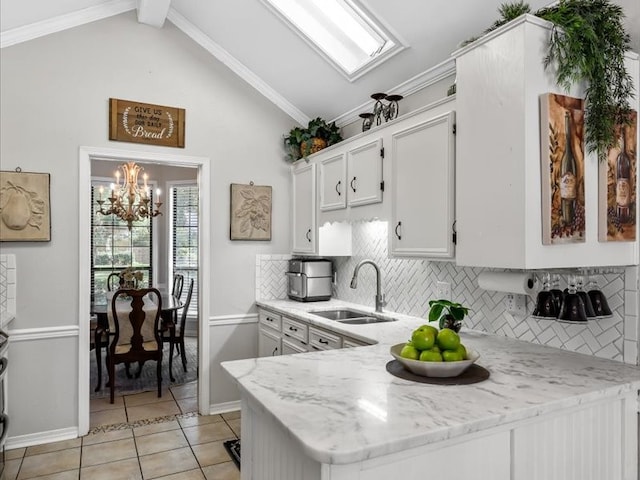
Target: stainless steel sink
{"x":351,"y":317}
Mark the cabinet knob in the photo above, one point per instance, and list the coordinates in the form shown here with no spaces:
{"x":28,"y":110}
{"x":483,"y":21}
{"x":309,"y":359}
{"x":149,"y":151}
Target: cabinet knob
{"x":396,"y":230}
{"x":353,"y":181}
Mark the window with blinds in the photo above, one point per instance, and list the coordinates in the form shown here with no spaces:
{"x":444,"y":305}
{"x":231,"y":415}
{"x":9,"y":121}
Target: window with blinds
{"x":114,"y":248}
{"x":184,"y":238}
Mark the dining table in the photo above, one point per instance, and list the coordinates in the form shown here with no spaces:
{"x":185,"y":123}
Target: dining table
{"x":170,"y":304}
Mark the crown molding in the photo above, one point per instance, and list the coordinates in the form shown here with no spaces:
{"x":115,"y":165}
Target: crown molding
{"x":64,"y":22}
{"x":235,"y":66}
{"x":413,"y":85}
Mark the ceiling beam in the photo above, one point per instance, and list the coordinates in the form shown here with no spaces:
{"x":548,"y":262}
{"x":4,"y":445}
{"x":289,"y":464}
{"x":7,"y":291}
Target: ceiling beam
{"x":153,"y":12}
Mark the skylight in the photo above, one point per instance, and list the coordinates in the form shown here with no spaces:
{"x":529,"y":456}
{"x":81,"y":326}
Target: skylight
{"x":341,"y":31}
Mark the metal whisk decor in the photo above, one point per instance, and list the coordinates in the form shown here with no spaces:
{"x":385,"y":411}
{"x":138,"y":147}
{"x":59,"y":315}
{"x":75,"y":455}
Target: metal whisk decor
{"x":130,"y":201}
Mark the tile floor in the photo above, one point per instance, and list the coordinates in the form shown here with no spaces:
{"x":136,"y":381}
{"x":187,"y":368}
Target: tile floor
{"x":139,"y":437}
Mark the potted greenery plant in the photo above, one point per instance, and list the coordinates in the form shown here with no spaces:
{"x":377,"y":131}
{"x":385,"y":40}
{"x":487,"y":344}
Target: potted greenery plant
{"x":302,"y":142}
{"x":588,"y":43}
{"x":450,"y":314}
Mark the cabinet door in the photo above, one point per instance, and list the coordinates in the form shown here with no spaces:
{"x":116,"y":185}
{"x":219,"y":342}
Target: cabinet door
{"x":332,"y":178}
{"x":268,"y":343}
{"x":364,"y":174}
{"x":423,"y":182}
{"x":304,"y":208}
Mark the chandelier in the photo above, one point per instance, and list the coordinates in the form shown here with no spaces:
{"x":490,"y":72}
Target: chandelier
{"x":130,"y":201}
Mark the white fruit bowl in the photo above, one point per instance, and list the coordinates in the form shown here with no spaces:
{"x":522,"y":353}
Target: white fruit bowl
{"x":434,"y":369}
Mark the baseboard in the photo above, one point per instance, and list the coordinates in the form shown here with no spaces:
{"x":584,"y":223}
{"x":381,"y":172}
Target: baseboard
{"x":38,"y":438}
{"x":224,"y":407}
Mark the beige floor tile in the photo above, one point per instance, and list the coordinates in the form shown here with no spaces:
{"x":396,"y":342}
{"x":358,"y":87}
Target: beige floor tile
{"x":210,"y":432}
{"x":102,"y":437}
{"x":122,"y":470}
{"x":222,"y":471}
{"x":152,"y":410}
{"x":199,"y":420}
{"x":68,"y":475}
{"x":108,"y":452}
{"x":161,"y":442}
{"x":185,"y":390}
{"x":231,"y":415}
{"x":107,"y":417}
{"x":210,"y":453}
{"x":53,"y":447}
{"x":167,"y":463}
{"x":155,"y":428}
{"x":188,"y":405}
{"x":235,"y":426}
{"x":100,"y":404}
{"x":147,"y":397}
{"x":15,"y":453}
{"x":11,"y":469}
{"x":190,"y":475}
{"x":48,"y":463}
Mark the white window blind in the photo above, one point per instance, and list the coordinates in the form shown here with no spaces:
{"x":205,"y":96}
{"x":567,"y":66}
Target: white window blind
{"x":184,"y":238}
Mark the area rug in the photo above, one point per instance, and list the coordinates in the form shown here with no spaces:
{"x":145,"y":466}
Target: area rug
{"x":233,"y":448}
{"x":147,"y":381}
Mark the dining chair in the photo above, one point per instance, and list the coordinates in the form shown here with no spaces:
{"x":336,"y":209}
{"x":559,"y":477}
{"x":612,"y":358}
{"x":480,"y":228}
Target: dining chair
{"x":175,"y":334}
{"x":178,"y":283}
{"x":134,"y":318}
{"x":113,"y":282}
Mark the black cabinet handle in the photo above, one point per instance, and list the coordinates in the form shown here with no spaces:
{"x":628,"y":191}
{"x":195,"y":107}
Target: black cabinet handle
{"x":309,"y":235}
{"x":293,"y":329}
{"x":338,"y":187}
{"x":352,"y":182}
{"x":396,"y":230}
{"x":323,"y":341}
{"x":275,"y":351}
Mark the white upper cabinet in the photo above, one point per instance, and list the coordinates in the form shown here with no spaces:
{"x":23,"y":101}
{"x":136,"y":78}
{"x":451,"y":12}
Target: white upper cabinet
{"x":304,"y":208}
{"x":351,"y":175}
{"x":422,"y":176}
{"x":498,"y":168}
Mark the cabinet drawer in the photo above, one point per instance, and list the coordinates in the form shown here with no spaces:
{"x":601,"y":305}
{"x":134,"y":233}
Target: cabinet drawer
{"x":271,"y":320}
{"x":293,"y":345}
{"x":294,"y":329}
{"x":322,"y":340}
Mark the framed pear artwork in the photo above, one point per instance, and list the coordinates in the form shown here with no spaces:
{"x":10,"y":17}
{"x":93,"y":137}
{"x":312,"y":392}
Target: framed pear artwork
{"x":25,"y":212}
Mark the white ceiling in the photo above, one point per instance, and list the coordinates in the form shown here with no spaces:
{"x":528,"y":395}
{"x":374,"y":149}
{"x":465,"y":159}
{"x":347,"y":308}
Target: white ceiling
{"x":256,"y":44}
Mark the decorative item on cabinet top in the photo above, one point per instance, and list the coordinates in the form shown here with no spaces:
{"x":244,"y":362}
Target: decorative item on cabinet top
{"x":25,"y":209}
{"x":381,"y":111}
{"x":587,"y":36}
{"x":302,"y":142}
{"x":250,"y":212}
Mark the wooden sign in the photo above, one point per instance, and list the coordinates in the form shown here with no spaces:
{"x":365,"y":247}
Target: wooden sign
{"x":146,"y":123}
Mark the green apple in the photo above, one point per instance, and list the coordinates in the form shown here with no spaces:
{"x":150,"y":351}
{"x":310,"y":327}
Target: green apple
{"x":410,"y":352}
{"x":423,"y":338}
{"x":430,"y":355}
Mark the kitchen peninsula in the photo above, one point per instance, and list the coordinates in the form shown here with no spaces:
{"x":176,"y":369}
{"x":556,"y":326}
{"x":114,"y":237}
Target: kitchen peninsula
{"x":338,"y":414}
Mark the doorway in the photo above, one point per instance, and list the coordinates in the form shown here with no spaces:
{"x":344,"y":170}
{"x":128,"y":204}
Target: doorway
{"x":90,"y":161}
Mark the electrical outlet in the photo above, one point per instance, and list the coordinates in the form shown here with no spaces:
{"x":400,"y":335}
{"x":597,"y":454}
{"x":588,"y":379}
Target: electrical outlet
{"x":516,"y":304}
{"x":443,"y":290}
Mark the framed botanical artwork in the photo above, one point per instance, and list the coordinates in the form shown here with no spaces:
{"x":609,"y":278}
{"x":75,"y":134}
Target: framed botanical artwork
{"x":617,"y":186}
{"x":562,"y":169}
{"x":25,"y":211}
{"x":250,"y":212}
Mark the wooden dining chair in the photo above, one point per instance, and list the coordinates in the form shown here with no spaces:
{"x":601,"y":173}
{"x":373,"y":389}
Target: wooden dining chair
{"x":134,"y":336}
{"x":178,"y":283}
{"x":175,"y":334}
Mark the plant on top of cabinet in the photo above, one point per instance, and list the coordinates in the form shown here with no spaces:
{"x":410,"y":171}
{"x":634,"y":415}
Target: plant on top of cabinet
{"x":302,"y":142}
{"x":588,"y":43}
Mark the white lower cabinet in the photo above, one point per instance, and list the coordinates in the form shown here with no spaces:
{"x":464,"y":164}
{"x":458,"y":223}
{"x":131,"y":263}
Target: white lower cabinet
{"x":269,"y":342}
{"x":323,"y":340}
{"x":587,"y":442}
{"x":292,"y":345}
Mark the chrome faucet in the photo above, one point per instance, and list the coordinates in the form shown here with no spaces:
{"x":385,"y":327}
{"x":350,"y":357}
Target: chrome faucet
{"x":379,"y":295}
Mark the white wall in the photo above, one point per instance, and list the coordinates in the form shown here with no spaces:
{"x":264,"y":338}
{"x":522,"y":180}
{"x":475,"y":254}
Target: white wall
{"x":55,"y":93}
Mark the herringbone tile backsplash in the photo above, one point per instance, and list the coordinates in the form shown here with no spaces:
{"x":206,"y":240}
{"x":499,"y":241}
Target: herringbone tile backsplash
{"x":409,"y":284}
{"x":7,"y":283}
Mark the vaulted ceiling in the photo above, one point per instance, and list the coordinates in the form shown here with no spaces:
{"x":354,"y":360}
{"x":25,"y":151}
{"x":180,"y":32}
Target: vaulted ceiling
{"x":258,"y":46}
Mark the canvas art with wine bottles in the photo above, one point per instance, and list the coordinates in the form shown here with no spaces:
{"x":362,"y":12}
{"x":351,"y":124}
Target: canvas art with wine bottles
{"x":562,"y":167}
{"x":617,"y":190}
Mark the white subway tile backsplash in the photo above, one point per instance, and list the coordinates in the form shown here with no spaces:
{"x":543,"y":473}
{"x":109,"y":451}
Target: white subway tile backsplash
{"x":409,"y":284}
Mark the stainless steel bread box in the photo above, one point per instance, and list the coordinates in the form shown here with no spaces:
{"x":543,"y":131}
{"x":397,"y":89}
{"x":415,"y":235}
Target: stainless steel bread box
{"x":309,"y":280}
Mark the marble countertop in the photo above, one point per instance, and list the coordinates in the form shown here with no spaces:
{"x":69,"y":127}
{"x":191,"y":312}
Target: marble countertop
{"x":343,"y":406}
